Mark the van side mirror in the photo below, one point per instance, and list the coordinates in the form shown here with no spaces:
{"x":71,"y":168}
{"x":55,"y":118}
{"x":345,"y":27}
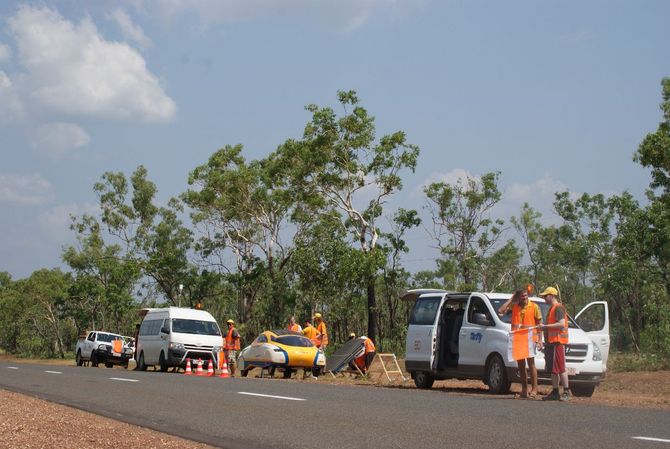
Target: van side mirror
{"x":165,"y":330}
{"x":480,"y":318}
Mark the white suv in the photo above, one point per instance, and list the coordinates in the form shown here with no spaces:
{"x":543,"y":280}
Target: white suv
{"x":461,"y":335}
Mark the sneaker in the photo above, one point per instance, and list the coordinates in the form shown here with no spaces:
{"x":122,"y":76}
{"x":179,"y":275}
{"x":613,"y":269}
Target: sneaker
{"x":565,"y":396}
{"x":553,"y":396}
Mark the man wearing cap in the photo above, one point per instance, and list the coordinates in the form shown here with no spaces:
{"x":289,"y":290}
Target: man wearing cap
{"x":556,"y":336}
{"x":232,"y":345}
{"x":323,"y":332}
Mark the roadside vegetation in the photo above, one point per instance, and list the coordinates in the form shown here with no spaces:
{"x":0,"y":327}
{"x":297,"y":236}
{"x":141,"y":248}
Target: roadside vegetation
{"x":310,"y":228}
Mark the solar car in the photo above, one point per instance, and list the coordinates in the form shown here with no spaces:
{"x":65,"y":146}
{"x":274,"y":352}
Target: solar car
{"x":283,"y":349}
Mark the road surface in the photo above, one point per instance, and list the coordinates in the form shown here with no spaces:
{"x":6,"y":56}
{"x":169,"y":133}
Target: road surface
{"x":274,"y":413}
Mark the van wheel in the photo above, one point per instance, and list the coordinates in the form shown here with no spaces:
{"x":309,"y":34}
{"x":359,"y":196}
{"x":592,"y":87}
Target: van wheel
{"x":79,"y":360}
{"x":585,"y":391}
{"x":140,"y":364}
{"x":496,"y":376}
{"x":423,"y":380}
{"x":163,"y":363}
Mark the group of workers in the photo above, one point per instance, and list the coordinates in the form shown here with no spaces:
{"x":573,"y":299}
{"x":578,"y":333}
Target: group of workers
{"x":319,"y":336}
{"x":527,"y":318}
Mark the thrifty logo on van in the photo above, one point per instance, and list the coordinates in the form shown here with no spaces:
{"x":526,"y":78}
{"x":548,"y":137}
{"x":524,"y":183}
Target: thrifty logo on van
{"x":476,"y":336}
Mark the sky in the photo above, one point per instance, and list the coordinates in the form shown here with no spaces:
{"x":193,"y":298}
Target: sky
{"x":555,"y":95}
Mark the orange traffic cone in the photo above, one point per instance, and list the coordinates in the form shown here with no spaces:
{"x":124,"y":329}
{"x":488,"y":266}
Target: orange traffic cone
{"x":198,"y":371}
{"x":224,"y":369}
{"x":188,"y":371}
{"x":210,"y":368}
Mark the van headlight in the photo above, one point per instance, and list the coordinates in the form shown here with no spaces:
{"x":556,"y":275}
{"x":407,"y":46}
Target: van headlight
{"x":176,"y":346}
{"x":597,"y":355}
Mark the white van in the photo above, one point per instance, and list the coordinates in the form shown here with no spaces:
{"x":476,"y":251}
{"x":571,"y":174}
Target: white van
{"x":170,"y":335}
{"x":461,"y":335}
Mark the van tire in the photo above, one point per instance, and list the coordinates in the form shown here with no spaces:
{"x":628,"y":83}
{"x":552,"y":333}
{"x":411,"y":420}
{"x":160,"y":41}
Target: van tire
{"x":140,"y":364}
{"x":79,"y":360}
{"x":496,"y":376}
{"x":585,"y":391}
{"x":423,"y":380}
{"x":163,"y":363}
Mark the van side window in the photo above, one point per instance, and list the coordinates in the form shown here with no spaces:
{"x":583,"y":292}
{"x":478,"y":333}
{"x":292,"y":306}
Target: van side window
{"x":151,"y":327}
{"x":425,"y":310}
{"x":477,"y":305}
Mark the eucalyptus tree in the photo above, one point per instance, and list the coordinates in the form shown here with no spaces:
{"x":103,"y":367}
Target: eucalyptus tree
{"x":245,"y":209}
{"x":153,"y":237}
{"x":45,"y":292}
{"x":101,"y":293}
{"x":462,"y":226}
{"x":340,"y":164}
{"x":654,"y":153}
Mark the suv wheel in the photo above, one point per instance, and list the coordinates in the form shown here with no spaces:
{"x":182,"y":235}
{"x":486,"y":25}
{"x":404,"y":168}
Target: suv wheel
{"x":423,"y":380}
{"x":496,"y":376}
{"x":94,"y":359}
{"x":79,"y":360}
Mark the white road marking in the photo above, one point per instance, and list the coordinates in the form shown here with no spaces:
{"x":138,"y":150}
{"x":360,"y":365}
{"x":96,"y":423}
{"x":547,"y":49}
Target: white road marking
{"x":12,"y":367}
{"x":53,"y":372}
{"x":288,"y":398}
{"x":124,"y":380}
{"x":651,"y":439}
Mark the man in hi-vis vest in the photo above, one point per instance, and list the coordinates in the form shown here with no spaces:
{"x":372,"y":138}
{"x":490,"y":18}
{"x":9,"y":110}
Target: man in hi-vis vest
{"x":231,"y":346}
{"x":526,"y":317}
{"x":556,"y":335}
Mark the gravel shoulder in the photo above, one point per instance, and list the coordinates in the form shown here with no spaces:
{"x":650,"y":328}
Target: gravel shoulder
{"x":28,"y":422}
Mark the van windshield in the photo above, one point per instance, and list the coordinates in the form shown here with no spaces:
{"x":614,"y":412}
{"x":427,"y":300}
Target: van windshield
{"x":198,"y":327}
{"x":544,"y":309}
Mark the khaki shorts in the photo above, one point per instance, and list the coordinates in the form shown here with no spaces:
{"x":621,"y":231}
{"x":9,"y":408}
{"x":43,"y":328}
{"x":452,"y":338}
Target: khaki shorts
{"x":231,"y":357}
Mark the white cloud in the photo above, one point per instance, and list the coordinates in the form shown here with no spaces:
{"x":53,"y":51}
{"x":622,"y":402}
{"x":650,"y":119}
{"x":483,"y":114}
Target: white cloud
{"x":5,"y":53}
{"x":11,"y":106}
{"x":539,"y":194}
{"x":130,"y":30}
{"x":59,"y":139}
{"x":27,"y":190}
{"x":72,"y":69}
{"x":56,"y":221}
{"x":341,"y":14}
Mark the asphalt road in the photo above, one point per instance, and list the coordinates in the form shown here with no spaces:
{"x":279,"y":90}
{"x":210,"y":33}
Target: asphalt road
{"x":274,"y":413}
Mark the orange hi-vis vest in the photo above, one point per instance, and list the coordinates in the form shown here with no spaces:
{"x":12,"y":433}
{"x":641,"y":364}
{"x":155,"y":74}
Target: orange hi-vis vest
{"x":528,"y":319}
{"x":523,"y":338}
{"x":557,"y":334}
{"x":369,"y":347}
{"x":231,"y":342}
{"x":311,"y":333}
{"x":321,"y":329}
{"x":294,"y":327}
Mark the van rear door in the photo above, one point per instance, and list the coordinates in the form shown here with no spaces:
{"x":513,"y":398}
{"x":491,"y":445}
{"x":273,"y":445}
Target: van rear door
{"x":594,"y":319}
{"x":421,"y":334}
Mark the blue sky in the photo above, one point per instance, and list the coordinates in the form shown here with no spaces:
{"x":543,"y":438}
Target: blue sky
{"x":554,"y":95}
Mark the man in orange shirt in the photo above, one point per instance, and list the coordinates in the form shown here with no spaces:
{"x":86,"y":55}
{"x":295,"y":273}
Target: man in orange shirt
{"x":231,"y":346}
{"x":310,"y":332}
{"x":323,"y":332}
{"x":364,"y":360}
{"x":293,"y":326}
{"x":525,"y":314}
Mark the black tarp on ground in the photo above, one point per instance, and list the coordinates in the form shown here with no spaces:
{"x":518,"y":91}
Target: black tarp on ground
{"x":340,"y":359}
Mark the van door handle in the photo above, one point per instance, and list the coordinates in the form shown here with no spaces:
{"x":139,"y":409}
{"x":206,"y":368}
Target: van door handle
{"x":463,"y":334}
